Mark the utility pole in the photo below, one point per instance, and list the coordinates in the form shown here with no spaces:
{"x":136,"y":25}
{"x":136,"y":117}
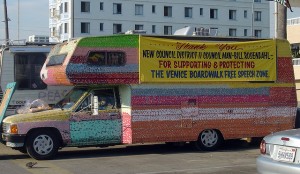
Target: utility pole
{"x":281,"y":29}
{"x":6,"y":24}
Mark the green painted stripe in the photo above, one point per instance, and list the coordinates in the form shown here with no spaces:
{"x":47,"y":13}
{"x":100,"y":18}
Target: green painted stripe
{"x":115,"y":41}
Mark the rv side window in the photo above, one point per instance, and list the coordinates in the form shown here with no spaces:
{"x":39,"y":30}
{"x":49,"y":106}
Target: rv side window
{"x":27,"y":71}
{"x":102,"y":58}
{"x":56,"y":60}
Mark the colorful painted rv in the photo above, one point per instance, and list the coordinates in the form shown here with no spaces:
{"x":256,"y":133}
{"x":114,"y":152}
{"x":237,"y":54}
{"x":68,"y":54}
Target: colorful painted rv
{"x":146,"y":89}
{"x":22,"y":62}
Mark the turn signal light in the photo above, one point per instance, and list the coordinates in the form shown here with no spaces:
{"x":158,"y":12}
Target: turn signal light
{"x":262,"y":147}
{"x":13,"y":129}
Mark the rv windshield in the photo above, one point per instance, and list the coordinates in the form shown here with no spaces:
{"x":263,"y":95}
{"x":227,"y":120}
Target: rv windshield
{"x":71,"y":98}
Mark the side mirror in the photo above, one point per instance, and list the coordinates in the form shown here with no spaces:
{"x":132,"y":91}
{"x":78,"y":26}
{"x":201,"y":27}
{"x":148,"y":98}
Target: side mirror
{"x":95,"y":105}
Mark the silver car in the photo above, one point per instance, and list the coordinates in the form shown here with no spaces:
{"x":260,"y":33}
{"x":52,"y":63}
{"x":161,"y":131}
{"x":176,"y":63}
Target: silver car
{"x":280,"y":153}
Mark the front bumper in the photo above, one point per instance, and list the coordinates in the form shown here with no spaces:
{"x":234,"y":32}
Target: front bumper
{"x":267,"y":165}
{"x":13,"y":140}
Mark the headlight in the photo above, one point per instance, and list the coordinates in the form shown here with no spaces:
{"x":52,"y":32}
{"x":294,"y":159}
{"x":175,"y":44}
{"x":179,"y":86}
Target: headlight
{"x":10,"y":128}
{"x":13,"y":129}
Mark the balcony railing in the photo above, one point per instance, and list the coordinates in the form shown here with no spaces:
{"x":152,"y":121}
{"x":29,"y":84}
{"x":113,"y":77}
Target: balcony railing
{"x":293,"y":21}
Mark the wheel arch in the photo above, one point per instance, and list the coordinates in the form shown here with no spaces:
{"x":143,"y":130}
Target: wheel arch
{"x":50,"y":129}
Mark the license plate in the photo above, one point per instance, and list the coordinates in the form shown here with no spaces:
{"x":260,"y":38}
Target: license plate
{"x":285,"y":154}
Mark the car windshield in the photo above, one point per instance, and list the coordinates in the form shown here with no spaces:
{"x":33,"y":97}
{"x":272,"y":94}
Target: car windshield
{"x":71,"y":98}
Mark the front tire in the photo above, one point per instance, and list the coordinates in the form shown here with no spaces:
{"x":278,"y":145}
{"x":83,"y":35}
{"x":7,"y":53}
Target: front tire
{"x":209,"y":140}
{"x":42,"y":145}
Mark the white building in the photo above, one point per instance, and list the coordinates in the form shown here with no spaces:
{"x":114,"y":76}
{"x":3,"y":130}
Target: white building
{"x":79,"y":18}
{"x":38,"y":38}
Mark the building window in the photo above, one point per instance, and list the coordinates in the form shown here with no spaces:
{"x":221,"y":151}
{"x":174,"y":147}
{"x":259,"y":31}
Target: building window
{"x":188,"y":12}
{"x":232,"y":32}
{"x":153,"y":9}
{"x":153,"y":29}
{"x":85,"y":27}
{"x":66,"y":7}
{"x":245,"y":32}
{"x":138,"y":9}
{"x":52,"y":12}
{"x":117,"y":28}
{"x":201,"y":11}
{"x":213,"y":31}
{"x":117,"y":8}
{"x":245,"y":14}
{"x":167,"y":30}
{"x":138,"y":27}
{"x":232,"y":14}
{"x":257,"y":33}
{"x":101,"y":5}
{"x":28,"y":67}
{"x":53,"y":32}
{"x":257,"y":16}
{"x":61,"y":8}
{"x":167,"y":11}
{"x":85,"y":6}
{"x":257,"y":0}
{"x":66,"y":28}
{"x":213,"y":13}
{"x":60,"y":29}
{"x":101,"y":26}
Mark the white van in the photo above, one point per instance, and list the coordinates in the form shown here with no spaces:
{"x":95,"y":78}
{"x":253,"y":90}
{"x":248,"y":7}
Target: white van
{"x":21,"y":63}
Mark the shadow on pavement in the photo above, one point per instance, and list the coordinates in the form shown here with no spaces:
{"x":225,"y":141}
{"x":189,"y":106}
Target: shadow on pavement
{"x":139,"y":149}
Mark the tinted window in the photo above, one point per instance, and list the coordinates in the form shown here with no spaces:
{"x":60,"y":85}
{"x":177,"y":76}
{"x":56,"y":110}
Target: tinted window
{"x":106,"y":58}
{"x":56,"y":60}
{"x":27,"y":70}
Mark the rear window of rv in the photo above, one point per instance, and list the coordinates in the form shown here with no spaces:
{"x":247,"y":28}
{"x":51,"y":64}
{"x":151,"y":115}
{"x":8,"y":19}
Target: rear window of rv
{"x":56,"y":60}
{"x":106,"y":58}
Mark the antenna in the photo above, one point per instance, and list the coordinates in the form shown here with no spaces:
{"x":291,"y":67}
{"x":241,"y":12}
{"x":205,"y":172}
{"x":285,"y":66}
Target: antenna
{"x":6,"y":24}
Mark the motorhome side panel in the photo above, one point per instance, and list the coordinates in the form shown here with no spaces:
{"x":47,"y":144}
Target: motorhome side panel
{"x":236,"y":109}
{"x":180,"y":112}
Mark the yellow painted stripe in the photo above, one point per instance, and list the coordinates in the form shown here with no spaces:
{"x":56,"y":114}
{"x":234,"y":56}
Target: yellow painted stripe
{"x":45,"y":167}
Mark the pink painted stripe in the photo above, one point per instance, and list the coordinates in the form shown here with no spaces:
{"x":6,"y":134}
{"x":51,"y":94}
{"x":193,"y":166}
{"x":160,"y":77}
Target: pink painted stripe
{"x":177,"y":100}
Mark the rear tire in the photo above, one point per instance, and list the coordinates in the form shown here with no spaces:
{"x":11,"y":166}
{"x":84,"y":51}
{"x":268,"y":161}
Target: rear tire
{"x":209,"y":140}
{"x":42,"y":145}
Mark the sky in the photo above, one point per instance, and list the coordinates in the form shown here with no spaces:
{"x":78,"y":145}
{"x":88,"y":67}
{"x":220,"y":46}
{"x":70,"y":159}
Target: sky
{"x":34,"y":18}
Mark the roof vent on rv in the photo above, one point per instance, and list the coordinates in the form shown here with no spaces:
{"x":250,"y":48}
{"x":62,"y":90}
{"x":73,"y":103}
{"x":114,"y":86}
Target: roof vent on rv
{"x":184,"y":31}
{"x":200,"y":31}
{"x":136,"y":32}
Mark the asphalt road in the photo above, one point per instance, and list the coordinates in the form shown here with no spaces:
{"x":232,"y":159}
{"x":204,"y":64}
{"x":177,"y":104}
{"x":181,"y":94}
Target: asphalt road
{"x":235,"y":157}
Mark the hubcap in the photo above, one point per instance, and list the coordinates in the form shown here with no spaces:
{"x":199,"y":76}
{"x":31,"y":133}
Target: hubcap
{"x":209,"y":138}
{"x":43,"y":144}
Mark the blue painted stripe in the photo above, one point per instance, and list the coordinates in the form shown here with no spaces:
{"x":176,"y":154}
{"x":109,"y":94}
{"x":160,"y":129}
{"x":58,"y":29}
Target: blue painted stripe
{"x":84,"y":68}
